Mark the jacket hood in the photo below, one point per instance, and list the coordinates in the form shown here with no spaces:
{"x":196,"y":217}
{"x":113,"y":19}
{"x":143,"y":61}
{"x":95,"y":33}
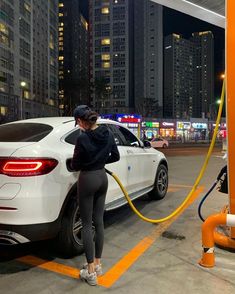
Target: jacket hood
{"x":100,"y":135}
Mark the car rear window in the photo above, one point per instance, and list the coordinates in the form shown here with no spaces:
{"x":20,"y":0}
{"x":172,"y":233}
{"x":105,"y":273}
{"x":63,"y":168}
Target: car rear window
{"x":24,"y":132}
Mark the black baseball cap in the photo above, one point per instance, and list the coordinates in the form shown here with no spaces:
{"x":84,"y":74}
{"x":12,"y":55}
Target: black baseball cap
{"x":80,"y":111}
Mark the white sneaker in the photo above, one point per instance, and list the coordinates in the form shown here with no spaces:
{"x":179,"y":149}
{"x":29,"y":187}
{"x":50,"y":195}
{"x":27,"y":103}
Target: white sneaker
{"x":90,"y":278}
{"x":98,"y":269}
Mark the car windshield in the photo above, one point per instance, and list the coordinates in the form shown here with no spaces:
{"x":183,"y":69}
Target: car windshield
{"x":24,"y":132}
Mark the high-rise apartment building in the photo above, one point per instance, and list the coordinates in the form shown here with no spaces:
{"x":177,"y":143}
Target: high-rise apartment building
{"x":29,"y":59}
{"x":148,"y":58}
{"x":178,"y":77}
{"x":111,"y":41}
{"x":126,"y":59}
{"x":203,"y":74}
{"x":188,"y":75}
{"x":73,"y":56}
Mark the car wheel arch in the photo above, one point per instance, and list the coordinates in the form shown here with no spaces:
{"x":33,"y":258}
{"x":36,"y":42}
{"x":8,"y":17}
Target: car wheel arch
{"x":71,"y":195}
{"x":163,"y":162}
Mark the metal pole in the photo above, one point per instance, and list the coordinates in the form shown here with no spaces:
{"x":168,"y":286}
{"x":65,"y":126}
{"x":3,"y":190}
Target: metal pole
{"x":21,"y":103}
{"x":230,"y":95}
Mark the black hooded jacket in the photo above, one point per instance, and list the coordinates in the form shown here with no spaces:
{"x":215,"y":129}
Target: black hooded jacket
{"x":94,"y":148}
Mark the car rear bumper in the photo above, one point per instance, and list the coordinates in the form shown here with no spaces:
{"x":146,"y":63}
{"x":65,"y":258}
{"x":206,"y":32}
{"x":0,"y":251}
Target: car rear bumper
{"x":18,"y":234}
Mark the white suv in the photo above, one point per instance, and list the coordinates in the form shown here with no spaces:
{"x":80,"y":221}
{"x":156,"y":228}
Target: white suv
{"x":38,"y":192}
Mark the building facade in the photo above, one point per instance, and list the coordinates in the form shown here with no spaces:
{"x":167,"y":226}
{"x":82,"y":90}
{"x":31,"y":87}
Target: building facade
{"x":29,"y":59}
{"x":126,"y":57}
{"x":188,"y":76}
{"x":204,"y":100}
{"x":148,"y":58}
{"x":73,"y":56}
{"x":178,"y":77}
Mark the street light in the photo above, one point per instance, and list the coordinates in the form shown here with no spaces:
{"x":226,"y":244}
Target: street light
{"x":23,"y":86}
{"x":222,"y":76}
{"x":213,"y":108}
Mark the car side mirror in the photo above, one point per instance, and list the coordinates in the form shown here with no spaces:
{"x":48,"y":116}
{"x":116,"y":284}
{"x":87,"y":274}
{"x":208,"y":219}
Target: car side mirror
{"x":147,"y":144}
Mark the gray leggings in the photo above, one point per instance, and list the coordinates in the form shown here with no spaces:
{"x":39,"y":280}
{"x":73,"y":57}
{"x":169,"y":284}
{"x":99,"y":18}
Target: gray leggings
{"x":92,"y":189}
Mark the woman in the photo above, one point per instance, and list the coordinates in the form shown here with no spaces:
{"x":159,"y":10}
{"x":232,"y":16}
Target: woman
{"x":94,"y":148}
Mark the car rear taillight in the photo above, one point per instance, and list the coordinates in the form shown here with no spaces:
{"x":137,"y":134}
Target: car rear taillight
{"x":26,"y":167}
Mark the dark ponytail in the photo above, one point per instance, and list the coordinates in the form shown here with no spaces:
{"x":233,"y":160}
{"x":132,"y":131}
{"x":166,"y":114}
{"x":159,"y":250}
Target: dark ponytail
{"x":90,"y":117}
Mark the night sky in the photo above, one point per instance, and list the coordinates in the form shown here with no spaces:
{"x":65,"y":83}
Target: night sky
{"x":180,"y":23}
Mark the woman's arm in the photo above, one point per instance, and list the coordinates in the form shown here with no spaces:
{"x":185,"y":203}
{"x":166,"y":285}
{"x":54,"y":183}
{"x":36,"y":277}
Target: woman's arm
{"x":114,"y":154}
{"x":76,"y":163}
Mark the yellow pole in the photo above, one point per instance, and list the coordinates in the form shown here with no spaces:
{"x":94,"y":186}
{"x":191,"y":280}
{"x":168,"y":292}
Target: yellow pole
{"x":230,"y":74}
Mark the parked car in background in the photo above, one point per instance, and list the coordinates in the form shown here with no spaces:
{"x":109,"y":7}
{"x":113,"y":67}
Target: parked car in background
{"x":38,"y":190}
{"x":159,"y":143}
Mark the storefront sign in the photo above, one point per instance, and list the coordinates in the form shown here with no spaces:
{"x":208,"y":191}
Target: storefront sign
{"x":128,"y":118}
{"x":150,"y":124}
{"x":167,"y":124}
{"x":222,"y":126}
{"x":181,"y":125}
{"x":199,"y":125}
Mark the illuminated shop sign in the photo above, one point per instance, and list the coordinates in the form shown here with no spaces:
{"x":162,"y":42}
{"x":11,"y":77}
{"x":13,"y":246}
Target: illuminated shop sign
{"x":222,"y":126}
{"x":128,"y":118}
{"x":183,"y":125}
{"x":107,"y":116}
{"x":167,"y":124}
{"x":150,"y":124}
{"x":199,"y":125}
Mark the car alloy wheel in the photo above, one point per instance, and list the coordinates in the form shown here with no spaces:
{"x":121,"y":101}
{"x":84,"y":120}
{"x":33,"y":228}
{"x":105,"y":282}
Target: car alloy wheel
{"x":162,"y":181}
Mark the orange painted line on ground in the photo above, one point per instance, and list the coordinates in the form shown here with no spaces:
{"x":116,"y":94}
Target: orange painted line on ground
{"x":127,"y":261}
{"x":50,"y":266}
{"x":120,"y":267}
{"x":180,"y":186}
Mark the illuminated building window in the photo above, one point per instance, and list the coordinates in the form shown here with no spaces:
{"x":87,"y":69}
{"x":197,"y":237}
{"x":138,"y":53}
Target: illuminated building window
{"x":51,"y":102}
{"x":61,"y":24}
{"x":61,"y":4}
{"x":105,"y":10}
{"x":61,"y":29}
{"x":51,"y":43}
{"x":27,"y":7}
{"x":3,"y":110}
{"x":26,"y":94}
{"x":84,"y":22}
{"x":61,"y":14}
{"x":61,"y":34}
{"x":61,"y":48}
{"x":106,"y":64}
{"x":3,"y":28}
{"x":61,"y":57}
{"x":105,"y":41}
{"x":61,"y":38}
{"x":105,"y":57}
{"x":61,"y":77}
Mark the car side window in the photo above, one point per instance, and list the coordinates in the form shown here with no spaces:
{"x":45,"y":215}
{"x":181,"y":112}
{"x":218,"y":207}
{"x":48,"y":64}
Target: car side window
{"x":129,"y":138}
{"x":72,"y":137}
{"x":116,"y":133}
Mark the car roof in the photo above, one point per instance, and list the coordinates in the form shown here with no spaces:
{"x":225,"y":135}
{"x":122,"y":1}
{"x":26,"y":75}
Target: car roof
{"x":60,"y":120}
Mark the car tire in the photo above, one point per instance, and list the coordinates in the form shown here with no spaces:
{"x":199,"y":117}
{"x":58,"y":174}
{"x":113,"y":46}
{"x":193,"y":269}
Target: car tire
{"x":69,"y":240}
{"x":160,"y":184}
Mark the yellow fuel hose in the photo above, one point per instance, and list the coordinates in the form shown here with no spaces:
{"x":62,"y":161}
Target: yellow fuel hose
{"x":177,"y":210}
